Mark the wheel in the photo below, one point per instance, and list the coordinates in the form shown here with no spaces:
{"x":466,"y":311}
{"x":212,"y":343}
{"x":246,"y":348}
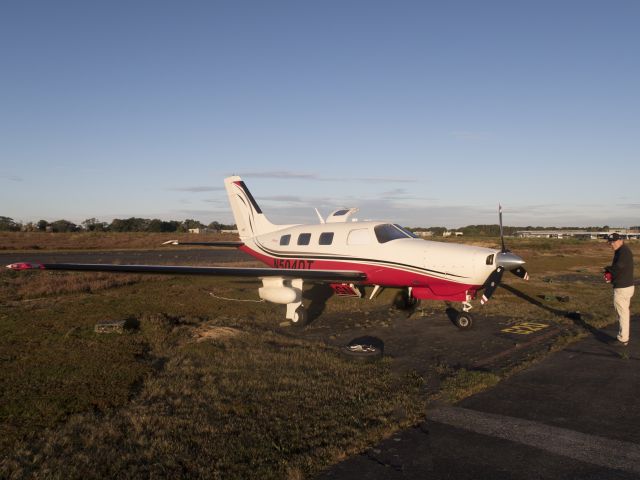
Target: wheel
{"x":364,"y":349}
{"x":464,"y":321}
{"x":300,"y":317}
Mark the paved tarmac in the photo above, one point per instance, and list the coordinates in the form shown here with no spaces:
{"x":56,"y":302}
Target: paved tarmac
{"x":575,"y":415}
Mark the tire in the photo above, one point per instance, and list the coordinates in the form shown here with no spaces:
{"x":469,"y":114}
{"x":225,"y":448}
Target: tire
{"x":364,"y":349}
{"x":464,"y":321}
{"x":301,"y":317}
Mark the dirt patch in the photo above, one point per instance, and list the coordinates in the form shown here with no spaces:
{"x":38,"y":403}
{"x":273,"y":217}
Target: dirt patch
{"x":213,"y":332}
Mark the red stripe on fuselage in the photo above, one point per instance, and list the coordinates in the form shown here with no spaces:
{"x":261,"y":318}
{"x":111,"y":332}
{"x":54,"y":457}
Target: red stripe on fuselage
{"x":383,"y":275}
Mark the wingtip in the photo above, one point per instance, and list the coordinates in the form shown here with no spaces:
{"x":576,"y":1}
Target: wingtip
{"x":170,"y":242}
{"x":25,"y":266}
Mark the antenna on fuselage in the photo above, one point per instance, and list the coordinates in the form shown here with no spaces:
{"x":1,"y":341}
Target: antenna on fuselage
{"x":319,"y":216}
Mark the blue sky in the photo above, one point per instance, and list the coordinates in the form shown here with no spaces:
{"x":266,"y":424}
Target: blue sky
{"x":426,"y":113}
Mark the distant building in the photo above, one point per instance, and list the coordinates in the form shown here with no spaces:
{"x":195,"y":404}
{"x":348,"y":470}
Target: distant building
{"x":448,"y":233}
{"x":625,"y":233}
{"x":423,"y":234}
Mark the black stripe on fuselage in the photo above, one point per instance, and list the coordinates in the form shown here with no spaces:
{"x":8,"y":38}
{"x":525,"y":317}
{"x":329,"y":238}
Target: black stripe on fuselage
{"x":273,"y":253}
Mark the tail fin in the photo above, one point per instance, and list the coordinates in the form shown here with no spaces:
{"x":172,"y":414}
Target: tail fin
{"x":249,"y":217}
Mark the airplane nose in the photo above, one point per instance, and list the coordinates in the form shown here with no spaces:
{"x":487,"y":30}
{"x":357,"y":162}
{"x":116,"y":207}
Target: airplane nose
{"x":508,"y":260}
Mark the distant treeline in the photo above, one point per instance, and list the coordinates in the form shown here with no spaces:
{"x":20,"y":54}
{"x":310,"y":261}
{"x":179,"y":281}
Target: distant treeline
{"x":117,"y":225}
{"x":134,"y":224}
{"x":494,"y":230}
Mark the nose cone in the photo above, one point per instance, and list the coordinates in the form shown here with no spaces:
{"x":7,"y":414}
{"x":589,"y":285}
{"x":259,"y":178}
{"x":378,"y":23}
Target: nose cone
{"x":509,"y":261}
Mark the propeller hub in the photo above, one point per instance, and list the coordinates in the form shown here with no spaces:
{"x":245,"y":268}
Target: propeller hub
{"x":508,"y":260}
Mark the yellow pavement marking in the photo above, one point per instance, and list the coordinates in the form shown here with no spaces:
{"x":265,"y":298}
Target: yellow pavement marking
{"x":525,"y":328}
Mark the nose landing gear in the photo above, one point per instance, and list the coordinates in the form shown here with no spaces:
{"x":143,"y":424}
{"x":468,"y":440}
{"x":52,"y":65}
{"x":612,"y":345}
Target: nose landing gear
{"x":463,"y":320}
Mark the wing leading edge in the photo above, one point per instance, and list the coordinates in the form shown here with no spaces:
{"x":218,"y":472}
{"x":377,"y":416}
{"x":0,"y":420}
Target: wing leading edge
{"x":206,"y":244}
{"x":318,"y":275}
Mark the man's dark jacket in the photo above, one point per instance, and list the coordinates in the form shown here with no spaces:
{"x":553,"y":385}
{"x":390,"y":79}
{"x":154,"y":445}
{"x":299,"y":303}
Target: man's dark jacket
{"x":622,"y":268}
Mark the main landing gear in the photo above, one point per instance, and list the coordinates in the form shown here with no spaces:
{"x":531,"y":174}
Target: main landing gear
{"x":299,"y":317}
{"x":405,"y":301}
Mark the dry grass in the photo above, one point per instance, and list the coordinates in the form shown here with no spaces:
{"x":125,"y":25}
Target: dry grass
{"x":16,"y":286}
{"x":212,"y":332}
{"x":239,"y":409}
{"x":245,"y":403}
{"x":99,"y":240}
{"x":462,"y":383}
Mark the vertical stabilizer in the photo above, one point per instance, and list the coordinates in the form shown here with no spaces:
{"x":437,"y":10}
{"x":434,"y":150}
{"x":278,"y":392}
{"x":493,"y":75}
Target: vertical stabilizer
{"x":248,"y":215}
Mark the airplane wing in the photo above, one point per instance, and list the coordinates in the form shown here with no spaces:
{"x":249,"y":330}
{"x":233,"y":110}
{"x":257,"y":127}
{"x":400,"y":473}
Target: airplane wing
{"x":318,"y":275}
{"x":206,"y":244}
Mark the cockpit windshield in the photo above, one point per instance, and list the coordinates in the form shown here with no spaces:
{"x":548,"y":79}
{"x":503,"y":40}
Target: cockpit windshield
{"x":408,"y":232}
{"x":387,"y":232}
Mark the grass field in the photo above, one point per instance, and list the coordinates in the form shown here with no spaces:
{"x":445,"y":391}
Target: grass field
{"x":16,"y":241}
{"x":202,"y":388}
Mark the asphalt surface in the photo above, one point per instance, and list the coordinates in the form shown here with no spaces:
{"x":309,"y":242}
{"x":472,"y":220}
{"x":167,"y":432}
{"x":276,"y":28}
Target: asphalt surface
{"x":575,"y":415}
{"x":422,"y":342}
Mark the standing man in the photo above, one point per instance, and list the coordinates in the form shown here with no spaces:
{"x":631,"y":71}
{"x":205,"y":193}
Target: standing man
{"x":620,"y":274}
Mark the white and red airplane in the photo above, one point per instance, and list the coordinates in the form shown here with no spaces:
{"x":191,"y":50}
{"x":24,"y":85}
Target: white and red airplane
{"x":348,"y":255}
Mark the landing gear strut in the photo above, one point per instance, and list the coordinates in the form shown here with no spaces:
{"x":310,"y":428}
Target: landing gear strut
{"x":464,"y":320}
{"x":296,"y":313}
{"x":404,"y":300}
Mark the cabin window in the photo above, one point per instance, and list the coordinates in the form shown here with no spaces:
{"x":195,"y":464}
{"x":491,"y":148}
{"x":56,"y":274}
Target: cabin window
{"x":387,"y":232}
{"x":359,"y":237}
{"x":285,"y":239}
{"x":304,"y":239}
{"x":326,"y":238}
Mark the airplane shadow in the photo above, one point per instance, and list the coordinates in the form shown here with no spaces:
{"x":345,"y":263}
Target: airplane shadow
{"x":575,"y":317}
{"x":451,"y":313}
{"x":318,"y":294}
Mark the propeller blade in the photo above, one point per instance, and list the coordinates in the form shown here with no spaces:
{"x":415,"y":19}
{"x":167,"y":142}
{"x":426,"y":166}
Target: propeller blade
{"x":491,"y":284}
{"x":501,"y":230}
{"x":521,"y":272}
